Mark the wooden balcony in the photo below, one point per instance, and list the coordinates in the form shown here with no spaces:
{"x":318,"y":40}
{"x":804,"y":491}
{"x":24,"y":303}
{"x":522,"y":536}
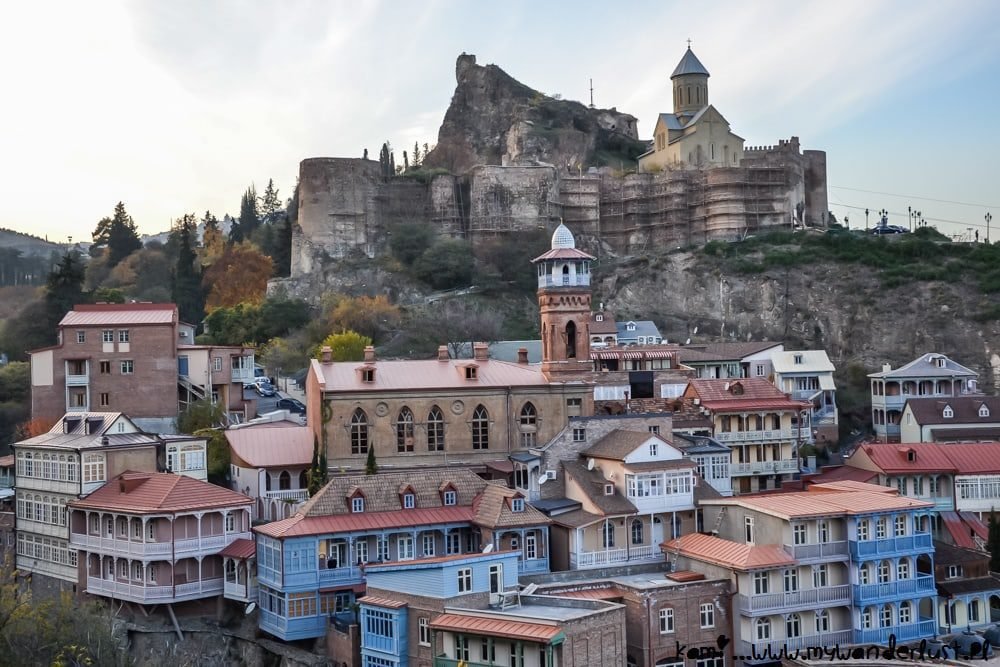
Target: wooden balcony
{"x":644,"y":554}
{"x":830,"y":596}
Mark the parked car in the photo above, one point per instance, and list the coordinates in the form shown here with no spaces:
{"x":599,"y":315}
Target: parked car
{"x":264,"y":387}
{"x":292,"y":405}
{"x":889,"y":229}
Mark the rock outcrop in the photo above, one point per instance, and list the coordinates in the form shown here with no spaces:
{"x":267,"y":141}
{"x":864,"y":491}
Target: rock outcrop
{"x":494,"y":119}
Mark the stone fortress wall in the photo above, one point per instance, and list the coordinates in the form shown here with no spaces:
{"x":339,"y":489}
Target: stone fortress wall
{"x":346,"y":206}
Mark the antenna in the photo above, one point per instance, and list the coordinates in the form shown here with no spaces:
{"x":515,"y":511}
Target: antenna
{"x":250,"y":608}
{"x":591,"y":93}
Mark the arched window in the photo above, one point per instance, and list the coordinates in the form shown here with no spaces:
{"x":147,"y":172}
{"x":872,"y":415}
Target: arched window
{"x":359,"y":432}
{"x":267,"y":481}
{"x":571,"y":340}
{"x":885,"y":618}
{"x":608,"y":535}
{"x":304,"y":479}
{"x":636,"y":531}
{"x":822,"y":621}
{"x":404,"y":430}
{"x":883,"y":571}
{"x":906,"y":612}
{"x":903,"y":569}
{"x":762,"y":629}
{"x":435,"y":430}
{"x":866,"y":618}
{"x":528,"y":425}
{"x":865,"y":574}
{"x":480,"y":428}
{"x":284,"y":481}
{"x":793,"y":625}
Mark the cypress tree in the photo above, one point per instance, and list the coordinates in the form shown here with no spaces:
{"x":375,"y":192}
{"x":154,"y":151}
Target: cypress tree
{"x":993,"y":542}
{"x":371,"y":466}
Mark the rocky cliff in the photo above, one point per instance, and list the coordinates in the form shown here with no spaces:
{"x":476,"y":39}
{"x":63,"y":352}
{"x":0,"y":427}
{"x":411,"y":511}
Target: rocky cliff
{"x":495,"y":120}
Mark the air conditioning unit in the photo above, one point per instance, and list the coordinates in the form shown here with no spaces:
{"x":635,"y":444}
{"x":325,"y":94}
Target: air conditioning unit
{"x":184,"y":334}
{"x":550,"y":474}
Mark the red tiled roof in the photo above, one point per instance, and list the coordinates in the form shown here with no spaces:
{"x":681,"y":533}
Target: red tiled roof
{"x":241,"y":549}
{"x":497,"y":627}
{"x":381,"y":602}
{"x":711,"y":549}
{"x":299,"y":524}
{"x":145,"y":492}
{"x":287,"y":445}
{"x":741,"y":394}
{"x":958,"y":458}
{"x":112,"y":314}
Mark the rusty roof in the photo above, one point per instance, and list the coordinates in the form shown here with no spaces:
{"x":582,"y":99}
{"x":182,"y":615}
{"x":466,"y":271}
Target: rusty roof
{"x":267,"y":446}
{"x":241,"y":549}
{"x":117,"y":314}
{"x":727,"y":553}
{"x":381,"y":602}
{"x":153,"y":492}
{"x":497,"y":627}
{"x":381,"y":491}
{"x":300,"y":524}
{"x":423,"y":374}
{"x":843,"y":473}
{"x":604,"y":593}
{"x":958,"y":458}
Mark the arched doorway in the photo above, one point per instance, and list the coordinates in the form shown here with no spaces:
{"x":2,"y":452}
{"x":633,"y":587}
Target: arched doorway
{"x":995,"y":609}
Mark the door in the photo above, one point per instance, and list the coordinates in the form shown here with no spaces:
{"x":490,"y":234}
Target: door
{"x":182,"y":366}
{"x":657,"y":531}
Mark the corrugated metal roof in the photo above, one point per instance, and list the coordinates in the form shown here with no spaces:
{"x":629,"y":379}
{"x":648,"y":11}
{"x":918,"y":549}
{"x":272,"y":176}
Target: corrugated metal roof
{"x":611,"y":593}
{"x":148,"y":492}
{"x":927,"y":366}
{"x":241,"y":549}
{"x":427,"y":374}
{"x":843,"y":473}
{"x":959,"y":458}
{"x":821,"y":502}
{"x":120,"y":314}
{"x":562,"y":253}
{"x":299,"y":525}
{"x":812,"y":361}
{"x":497,"y":627}
{"x":289,"y":445}
{"x":381,"y":602}
{"x":713,"y":549}
{"x":959,"y":532}
{"x":689,"y":64}
{"x":975,"y":524}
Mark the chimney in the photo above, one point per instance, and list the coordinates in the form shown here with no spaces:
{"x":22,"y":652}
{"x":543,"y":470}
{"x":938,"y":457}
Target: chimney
{"x":369,"y":354}
{"x":886,"y":368}
{"x":522,"y":355}
{"x":480,"y":351}
{"x":326,"y":354}
{"x":443,"y":353}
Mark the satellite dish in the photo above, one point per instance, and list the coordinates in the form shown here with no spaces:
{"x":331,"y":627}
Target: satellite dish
{"x":543,"y":479}
{"x":488,"y":549}
{"x":687,"y":342}
{"x":250,"y":608}
{"x":590,"y":464}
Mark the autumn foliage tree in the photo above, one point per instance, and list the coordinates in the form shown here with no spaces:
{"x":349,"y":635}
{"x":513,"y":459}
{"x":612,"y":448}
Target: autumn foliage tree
{"x":238,"y":276}
{"x":371,"y":316}
{"x":345,"y":346}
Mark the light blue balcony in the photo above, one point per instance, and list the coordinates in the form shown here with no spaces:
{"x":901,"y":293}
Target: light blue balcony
{"x":892,"y":546}
{"x":341,"y":576}
{"x":533,"y":566}
{"x":924,"y":629}
{"x":378,"y":643}
{"x":290,"y":629}
{"x":865,"y":594}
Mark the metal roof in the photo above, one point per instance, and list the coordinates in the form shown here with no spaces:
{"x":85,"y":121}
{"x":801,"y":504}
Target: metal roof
{"x":148,"y":492}
{"x":819,"y":501}
{"x":497,"y":627}
{"x":300,"y":525}
{"x":738,"y":556}
{"x":811,"y":361}
{"x":408,"y":375}
{"x":272,"y":446}
{"x":927,"y":366}
{"x":689,"y":64}
{"x":562,"y":237}
{"x":241,"y":549}
{"x":116,"y":314}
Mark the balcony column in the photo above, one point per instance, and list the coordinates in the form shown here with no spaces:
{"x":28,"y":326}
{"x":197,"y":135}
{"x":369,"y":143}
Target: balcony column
{"x":201,"y":580}
{"x":351,"y":556}
{"x":199,"y":515}
{"x":145,"y":523}
{"x":523,"y":545}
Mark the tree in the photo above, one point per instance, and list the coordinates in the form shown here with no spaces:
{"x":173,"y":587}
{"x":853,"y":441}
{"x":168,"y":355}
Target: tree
{"x":458,"y":324}
{"x":238,"y":276}
{"x":446,"y":264}
{"x":118,"y":234}
{"x":318,"y":473}
{"x":270,"y":203}
{"x":410,"y":240}
{"x":218,"y":453}
{"x":371,"y":316}
{"x":212,"y":242}
{"x":186,"y":283}
{"x":64,"y":289}
{"x":200,"y":415}
{"x":416,"y":154}
{"x":371,"y":466}
{"x":109,"y":295}
{"x":386,"y":163}
{"x":345,"y":346}
{"x":993,"y":542}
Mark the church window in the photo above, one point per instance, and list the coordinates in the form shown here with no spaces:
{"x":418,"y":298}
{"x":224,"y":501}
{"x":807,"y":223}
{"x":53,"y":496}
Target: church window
{"x":689,"y":94}
{"x":359,"y":432}
{"x":697,"y":94}
{"x":571,"y":340}
{"x":480,"y":428}
{"x":435,"y":430}
{"x":529,"y":425}
{"x":711,"y":147}
{"x":404,"y":430}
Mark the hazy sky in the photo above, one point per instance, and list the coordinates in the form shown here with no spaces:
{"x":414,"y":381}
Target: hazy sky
{"x":176,"y":106}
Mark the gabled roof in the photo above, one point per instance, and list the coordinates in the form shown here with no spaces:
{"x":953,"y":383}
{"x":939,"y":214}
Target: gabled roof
{"x":492,"y":509}
{"x":619,"y":443}
{"x":843,"y":473}
{"x":728,"y":351}
{"x":642,"y":328}
{"x":118,"y":314}
{"x":965,"y":410}
{"x":270,"y":445}
{"x":689,"y":64}
{"x":381,"y":491}
{"x":743,"y":393}
{"x":90,"y":430}
{"x":817,"y":502}
{"x":932,"y":457}
{"x":926,"y":366}
{"x":241,"y":549}
{"x":153,"y":492}
{"x":404,"y":375}
{"x":562,"y":253}
{"x":592,"y":483}
{"x":743,"y":557}
{"x":813,"y":361}
{"x":604,"y":326}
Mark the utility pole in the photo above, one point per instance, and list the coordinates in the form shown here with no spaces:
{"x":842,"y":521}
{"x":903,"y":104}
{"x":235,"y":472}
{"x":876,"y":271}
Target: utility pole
{"x":989,"y":217}
{"x":866,"y":218}
{"x":591,"y":93}
{"x":909,"y":210}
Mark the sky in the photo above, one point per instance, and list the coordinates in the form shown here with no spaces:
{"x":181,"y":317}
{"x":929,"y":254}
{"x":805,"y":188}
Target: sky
{"x":178,"y":106}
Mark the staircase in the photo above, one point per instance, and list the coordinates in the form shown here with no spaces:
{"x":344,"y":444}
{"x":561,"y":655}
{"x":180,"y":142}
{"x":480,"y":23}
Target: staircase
{"x":192,"y":389}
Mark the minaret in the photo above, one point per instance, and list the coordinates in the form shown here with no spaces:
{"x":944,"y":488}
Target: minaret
{"x":690,"y":84}
{"x":564,"y":303}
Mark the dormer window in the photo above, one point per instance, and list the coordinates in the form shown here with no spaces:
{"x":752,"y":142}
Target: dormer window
{"x":517,"y":504}
{"x":409,"y":501}
{"x":984,"y":411}
{"x":798,"y":358}
{"x":736,"y":389}
{"x":940,"y":362}
{"x":599,"y":318}
{"x":358,"y":504}
{"x":630,"y":326}
{"x":450,"y":497}
{"x":609,"y":489}
{"x":948,"y":413}
{"x":911,"y":455}
{"x":367,"y":374}
{"x":471,"y":372}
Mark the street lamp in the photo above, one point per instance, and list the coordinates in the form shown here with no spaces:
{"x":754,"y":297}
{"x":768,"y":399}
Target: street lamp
{"x":909,"y":211}
{"x":989,"y":216}
{"x":883,"y":218}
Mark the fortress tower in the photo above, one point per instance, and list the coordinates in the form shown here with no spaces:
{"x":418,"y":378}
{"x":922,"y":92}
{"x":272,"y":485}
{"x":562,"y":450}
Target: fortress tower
{"x":564,"y":302}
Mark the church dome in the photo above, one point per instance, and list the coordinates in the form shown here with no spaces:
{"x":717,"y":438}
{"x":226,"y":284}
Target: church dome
{"x":689,"y":64}
{"x":562,"y":237}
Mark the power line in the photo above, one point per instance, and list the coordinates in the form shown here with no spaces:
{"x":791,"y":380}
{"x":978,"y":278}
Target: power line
{"x":893,"y":194}
{"x":923,"y":217}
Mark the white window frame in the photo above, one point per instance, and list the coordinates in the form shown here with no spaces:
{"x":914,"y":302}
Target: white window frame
{"x":706,"y":615}
{"x":667,"y":621}
{"x":465,"y":580}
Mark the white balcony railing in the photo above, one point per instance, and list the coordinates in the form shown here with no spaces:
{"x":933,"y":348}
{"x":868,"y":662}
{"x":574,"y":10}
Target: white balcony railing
{"x":585,"y":559}
{"x":564,"y":281}
{"x":124,"y":547}
{"x":756,"y":436}
{"x":288,"y":494}
{"x":77,"y":380}
{"x":764,"y":467}
{"x":199,"y":588}
{"x":132,"y":592}
{"x":820,"y":550}
{"x":767,"y":602}
{"x":243,"y":592}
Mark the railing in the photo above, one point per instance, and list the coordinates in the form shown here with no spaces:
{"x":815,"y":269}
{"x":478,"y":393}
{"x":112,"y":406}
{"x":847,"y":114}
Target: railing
{"x":241,"y":375}
{"x":133,"y":592}
{"x":763,"y":467}
{"x":890,"y":545}
{"x":288,"y":494}
{"x":755,"y":436}
{"x":864,"y":593}
{"x":78,"y":408}
{"x":609,"y":556}
{"x":830,"y":595}
{"x":378,"y":643}
{"x":112,"y":545}
{"x":237,"y":591}
{"x":663,"y":503}
{"x":77,"y":380}
{"x":339,"y":574}
{"x":805,"y":394}
{"x":564,"y":281}
{"x":273,"y":623}
{"x":909,"y":632}
{"x":766,"y":651}
{"x":207,"y":543}
{"x":203,"y":587}
{"x":820,"y":550}
{"x":532,"y":566}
